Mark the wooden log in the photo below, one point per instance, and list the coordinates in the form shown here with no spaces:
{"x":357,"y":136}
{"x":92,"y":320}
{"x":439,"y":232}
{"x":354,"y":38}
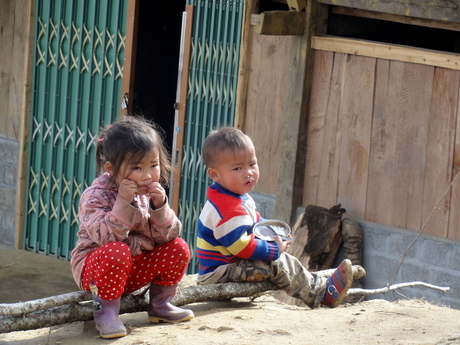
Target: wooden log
{"x":353,"y":248}
{"x":78,"y":306}
{"x":324,"y":236}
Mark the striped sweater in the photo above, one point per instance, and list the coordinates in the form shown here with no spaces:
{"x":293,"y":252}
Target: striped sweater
{"x":225,"y":231}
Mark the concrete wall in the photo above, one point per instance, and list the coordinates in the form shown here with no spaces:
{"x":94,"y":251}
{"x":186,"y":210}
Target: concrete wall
{"x":430,"y":259}
{"x":9,"y":153}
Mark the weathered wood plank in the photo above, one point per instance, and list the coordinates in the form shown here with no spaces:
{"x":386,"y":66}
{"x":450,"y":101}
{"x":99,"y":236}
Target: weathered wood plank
{"x":317,"y":17}
{"x":399,"y":144}
{"x":355,"y":120}
{"x":181,"y":111}
{"x":250,"y":7}
{"x":412,"y":143}
{"x":127,"y":87}
{"x":382,"y":163}
{"x":440,"y":150}
{"x":330,"y":148}
{"x":280,"y":23}
{"x":321,"y":177}
{"x":7,"y":34}
{"x":442,"y":10}
{"x":20,"y":78}
{"x":454,"y":216}
{"x":321,"y":89}
{"x":411,"y":85}
{"x":396,"y":18}
{"x":387,"y":51}
{"x":290,"y":126}
{"x":267,"y":94}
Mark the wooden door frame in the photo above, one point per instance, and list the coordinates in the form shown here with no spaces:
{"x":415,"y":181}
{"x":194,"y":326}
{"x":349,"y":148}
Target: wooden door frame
{"x":181,"y":106}
{"x":127,"y":86}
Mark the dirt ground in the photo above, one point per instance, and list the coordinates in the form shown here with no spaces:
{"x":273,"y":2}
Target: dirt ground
{"x":268,"y":321}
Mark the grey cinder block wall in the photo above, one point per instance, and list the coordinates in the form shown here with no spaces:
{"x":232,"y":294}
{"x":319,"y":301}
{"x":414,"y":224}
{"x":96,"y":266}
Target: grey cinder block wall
{"x":9,"y":153}
{"x":430,"y":259}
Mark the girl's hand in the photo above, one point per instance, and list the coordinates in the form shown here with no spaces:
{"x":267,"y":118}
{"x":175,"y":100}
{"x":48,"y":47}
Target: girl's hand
{"x":282,"y":245}
{"x":157,"y":194}
{"x":127,"y":189}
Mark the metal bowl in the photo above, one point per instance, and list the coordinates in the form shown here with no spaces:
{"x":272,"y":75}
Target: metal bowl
{"x":269,"y":228}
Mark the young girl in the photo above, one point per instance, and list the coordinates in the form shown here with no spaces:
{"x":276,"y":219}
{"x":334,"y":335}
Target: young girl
{"x":128,"y":234}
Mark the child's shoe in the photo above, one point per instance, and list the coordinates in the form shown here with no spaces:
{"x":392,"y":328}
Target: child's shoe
{"x":338,"y":284}
{"x":106,"y":318}
{"x":160,"y":310}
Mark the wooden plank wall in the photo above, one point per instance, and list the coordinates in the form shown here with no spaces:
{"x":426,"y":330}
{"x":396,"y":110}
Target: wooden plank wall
{"x":438,"y":9}
{"x":271,"y":58}
{"x":384,"y":140}
{"x":16,"y":41}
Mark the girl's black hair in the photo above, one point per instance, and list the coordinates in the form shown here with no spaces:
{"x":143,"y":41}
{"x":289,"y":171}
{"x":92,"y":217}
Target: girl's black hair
{"x":131,"y":139}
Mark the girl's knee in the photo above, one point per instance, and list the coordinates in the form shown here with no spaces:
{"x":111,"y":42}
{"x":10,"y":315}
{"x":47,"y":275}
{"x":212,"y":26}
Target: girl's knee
{"x":116,"y":253}
{"x":177,"y":245}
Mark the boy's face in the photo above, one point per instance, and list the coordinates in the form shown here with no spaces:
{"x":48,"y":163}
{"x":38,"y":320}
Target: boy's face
{"x":236,"y":171}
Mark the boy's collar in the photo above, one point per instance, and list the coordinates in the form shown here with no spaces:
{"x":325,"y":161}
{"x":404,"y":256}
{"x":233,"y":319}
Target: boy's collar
{"x":222,"y":188}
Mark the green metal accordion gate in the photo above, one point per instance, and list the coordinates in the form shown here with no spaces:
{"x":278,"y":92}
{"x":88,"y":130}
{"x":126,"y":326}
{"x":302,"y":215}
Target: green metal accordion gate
{"x":79,"y":51}
{"x":211,"y":98}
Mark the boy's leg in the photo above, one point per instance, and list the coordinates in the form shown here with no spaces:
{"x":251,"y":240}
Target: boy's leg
{"x":287,"y":273}
{"x":297,"y":281}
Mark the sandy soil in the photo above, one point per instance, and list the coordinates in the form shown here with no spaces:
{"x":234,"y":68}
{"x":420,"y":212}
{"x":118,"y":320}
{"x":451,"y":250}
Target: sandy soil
{"x":268,"y":321}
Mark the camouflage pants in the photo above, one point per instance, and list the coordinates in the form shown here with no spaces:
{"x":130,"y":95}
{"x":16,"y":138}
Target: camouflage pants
{"x":287,"y":273}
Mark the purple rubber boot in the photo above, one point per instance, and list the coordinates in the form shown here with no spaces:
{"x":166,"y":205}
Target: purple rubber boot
{"x":106,"y":317}
{"x":160,"y":310}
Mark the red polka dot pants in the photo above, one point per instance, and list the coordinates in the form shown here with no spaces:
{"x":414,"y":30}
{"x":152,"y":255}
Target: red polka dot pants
{"x":112,"y":270}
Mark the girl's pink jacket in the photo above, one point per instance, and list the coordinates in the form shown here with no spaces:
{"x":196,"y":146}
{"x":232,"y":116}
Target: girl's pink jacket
{"x":105,"y":218}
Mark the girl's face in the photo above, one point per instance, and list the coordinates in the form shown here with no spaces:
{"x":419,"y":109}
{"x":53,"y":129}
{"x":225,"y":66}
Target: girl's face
{"x":143,"y":173}
{"x":236,"y":171}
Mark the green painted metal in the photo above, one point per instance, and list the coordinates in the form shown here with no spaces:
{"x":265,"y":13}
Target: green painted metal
{"x":79,"y":52}
{"x":213,"y":72}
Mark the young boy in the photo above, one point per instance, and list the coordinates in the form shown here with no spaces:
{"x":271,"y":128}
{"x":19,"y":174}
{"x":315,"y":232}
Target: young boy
{"x":227,"y":249}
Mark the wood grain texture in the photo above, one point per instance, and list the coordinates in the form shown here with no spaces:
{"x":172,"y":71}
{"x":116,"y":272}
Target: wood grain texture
{"x":387,"y":51}
{"x":443,"y":10}
{"x":14,"y":37}
{"x":440,"y":150}
{"x":355,"y":120}
{"x":454,"y":211}
{"x":250,"y":7}
{"x":382,"y":166}
{"x":411,"y":141}
{"x":382,"y":141}
{"x":267,"y":104}
{"x":396,"y":18}
{"x":330,"y":149}
{"x":322,"y":148}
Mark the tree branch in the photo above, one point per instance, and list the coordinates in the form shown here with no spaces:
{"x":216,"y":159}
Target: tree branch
{"x":368,"y":292}
{"x":77,"y":306}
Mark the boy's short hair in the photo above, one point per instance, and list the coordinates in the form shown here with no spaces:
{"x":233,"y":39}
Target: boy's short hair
{"x":223,"y":139}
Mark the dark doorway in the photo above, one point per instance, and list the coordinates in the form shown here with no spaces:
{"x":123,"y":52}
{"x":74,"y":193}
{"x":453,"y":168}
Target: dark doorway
{"x":157,"y":60}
